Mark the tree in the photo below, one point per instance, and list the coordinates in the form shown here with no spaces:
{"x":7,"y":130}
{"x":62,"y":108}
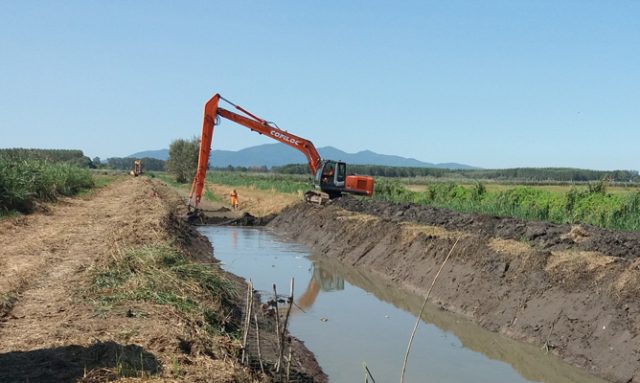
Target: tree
{"x":183,"y":159}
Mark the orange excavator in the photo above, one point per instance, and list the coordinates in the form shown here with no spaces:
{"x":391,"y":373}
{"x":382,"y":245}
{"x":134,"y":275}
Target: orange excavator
{"x":330,"y":177}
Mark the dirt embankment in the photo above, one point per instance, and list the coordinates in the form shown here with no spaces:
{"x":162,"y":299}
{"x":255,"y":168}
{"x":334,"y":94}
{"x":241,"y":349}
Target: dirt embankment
{"x":571,"y":289}
{"x":78,"y":300}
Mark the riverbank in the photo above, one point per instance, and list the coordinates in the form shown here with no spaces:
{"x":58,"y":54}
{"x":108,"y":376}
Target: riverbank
{"x":569,"y":289}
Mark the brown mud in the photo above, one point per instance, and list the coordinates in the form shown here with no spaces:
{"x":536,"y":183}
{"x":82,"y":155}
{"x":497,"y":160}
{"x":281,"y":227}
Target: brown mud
{"x":50,"y":330}
{"x":571,"y":290}
{"x":245,"y":219}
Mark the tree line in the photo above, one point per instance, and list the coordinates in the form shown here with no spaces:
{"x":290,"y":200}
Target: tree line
{"x":126,"y":163}
{"x":56,"y":156}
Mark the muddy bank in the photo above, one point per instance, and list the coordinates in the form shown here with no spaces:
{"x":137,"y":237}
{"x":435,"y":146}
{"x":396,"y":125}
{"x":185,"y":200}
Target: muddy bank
{"x":223,"y":218}
{"x":570,"y":289}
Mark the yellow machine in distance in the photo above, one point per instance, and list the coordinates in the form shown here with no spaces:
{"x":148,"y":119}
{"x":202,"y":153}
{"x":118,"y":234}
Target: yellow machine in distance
{"x":137,"y":168}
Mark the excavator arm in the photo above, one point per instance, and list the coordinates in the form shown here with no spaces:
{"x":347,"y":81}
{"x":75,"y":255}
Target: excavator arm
{"x":211,"y":113}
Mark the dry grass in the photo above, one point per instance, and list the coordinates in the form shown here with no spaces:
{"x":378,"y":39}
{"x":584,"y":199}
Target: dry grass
{"x":628,"y":281}
{"x":356,"y":218}
{"x":161,"y":275}
{"x":413,"y":230}
{"x":509,"y":247}
{"x":257,"y":202}
{"x":574,"y":261}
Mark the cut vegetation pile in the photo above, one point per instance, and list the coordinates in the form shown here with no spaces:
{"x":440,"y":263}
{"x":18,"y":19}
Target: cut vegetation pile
{"x":569,"y":289}
{"x":162,"y":275}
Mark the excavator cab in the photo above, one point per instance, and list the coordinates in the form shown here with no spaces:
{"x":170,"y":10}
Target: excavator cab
{"x":332,"y":179}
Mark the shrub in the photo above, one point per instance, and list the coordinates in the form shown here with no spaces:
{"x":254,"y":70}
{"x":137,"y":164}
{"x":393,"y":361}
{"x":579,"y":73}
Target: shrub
{"x":183,"y":159}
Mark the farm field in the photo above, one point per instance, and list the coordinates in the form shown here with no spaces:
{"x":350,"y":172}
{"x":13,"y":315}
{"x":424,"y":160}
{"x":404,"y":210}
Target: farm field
{"x":499,"y":187}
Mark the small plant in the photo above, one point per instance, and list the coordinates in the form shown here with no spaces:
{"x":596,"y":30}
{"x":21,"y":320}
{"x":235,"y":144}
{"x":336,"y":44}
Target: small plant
{"x":7,"y":300}
{"x":176,"y":368}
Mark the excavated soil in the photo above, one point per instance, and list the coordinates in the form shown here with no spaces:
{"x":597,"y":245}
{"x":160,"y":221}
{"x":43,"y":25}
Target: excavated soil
{"x":51,"y":332}
{"x":567,"y":288}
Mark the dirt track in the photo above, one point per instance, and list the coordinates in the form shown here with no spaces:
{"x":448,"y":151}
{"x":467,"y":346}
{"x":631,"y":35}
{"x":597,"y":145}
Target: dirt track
{"x":571,"y":289}
{"x":51,"y":330}
{"x":48,"y":332}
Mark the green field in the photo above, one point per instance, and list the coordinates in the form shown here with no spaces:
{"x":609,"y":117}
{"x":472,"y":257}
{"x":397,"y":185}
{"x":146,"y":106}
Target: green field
{"x":618,"y":189}
{"x":282,"y":183}
{"x":25,"y":181}
{"x":595,"y":203}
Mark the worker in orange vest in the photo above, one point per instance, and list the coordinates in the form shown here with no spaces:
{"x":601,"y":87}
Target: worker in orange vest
{"x":234,"y":199}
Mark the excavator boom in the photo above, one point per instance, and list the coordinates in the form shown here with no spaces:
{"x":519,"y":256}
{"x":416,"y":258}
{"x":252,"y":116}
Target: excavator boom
{"x":212,"y":111}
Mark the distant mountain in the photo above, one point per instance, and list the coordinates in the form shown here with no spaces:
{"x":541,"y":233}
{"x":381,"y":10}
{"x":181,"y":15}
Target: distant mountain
{"x":279,"y":154}
{"x":160,"y":154}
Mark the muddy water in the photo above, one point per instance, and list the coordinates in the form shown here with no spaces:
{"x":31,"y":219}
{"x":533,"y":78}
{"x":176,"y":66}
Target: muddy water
{"x":348,"y":318}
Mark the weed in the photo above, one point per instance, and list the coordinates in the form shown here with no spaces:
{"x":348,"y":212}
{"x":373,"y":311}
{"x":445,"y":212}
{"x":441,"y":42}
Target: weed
{"x":7,"y":300}
{"x":176,"y":368}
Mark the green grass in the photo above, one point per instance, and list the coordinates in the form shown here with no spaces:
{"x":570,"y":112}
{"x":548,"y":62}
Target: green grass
{"x":207,"y":195}
{"x":167,"y":179}
{"x":7,"y":300}
{"x":493,"y":186}
{"x":591,"y":204}
{"x":282,"y":183}
{"x":160,"y":274}
{"x":25,"y":182}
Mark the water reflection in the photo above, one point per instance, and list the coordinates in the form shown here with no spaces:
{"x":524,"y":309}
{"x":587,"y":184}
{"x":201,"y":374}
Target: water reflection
{"x":368,"y":319}
{"x":321,"y":280}
{"x":531,"y":362}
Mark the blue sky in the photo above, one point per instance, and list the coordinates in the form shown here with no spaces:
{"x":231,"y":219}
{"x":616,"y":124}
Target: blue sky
{"x":487,"y":83}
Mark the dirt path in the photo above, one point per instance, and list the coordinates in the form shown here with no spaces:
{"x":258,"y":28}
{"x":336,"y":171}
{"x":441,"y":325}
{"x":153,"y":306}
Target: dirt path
{"x":48,"y":332}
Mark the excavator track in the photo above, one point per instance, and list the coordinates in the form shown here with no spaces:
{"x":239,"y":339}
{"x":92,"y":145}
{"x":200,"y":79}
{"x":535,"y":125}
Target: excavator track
{"x":317,"y":197}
